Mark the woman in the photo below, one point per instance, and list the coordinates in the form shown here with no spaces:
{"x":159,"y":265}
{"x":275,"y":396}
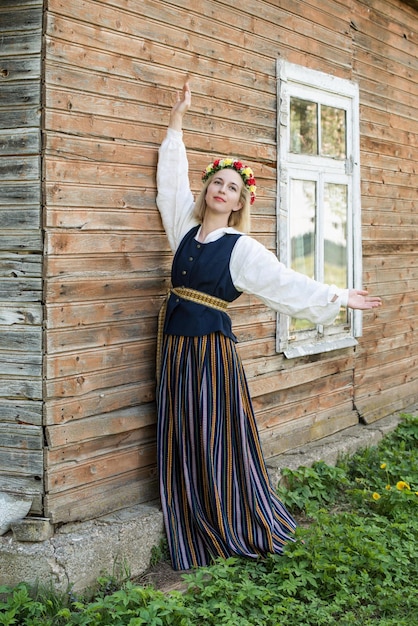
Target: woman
{"x":216,"y":495}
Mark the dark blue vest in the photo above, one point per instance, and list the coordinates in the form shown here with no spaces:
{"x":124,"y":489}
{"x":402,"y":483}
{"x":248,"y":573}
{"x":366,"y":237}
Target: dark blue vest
{"x":204,"y":267}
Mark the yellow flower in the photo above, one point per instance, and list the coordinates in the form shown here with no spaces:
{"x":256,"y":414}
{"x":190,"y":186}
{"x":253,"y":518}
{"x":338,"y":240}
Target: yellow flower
{"x":226,"y":162}
{"x":247,"y":171}
{"x":383,"y":466}
{"x":402,"y":485}
{"x":388,"y":487}
{"x":376,"y":496}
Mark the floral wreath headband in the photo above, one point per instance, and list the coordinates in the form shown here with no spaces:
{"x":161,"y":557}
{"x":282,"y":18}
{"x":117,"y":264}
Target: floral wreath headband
{"x":244,"y":171}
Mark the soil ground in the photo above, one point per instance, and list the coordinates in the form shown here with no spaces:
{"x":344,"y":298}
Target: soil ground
{"x":162,"y":577}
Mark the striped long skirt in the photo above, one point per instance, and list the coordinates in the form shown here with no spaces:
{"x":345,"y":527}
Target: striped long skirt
{"x":216,"y":495}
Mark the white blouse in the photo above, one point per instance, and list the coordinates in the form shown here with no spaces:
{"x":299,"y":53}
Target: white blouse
{"x":254,"y":269}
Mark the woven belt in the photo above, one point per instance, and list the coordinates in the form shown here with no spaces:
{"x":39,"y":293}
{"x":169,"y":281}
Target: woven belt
{"x":187,"y":294}
{"x":200,"y":298}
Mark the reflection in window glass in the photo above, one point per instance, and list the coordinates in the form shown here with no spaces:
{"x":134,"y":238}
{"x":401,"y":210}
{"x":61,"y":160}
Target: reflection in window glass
{"x":335,"y":238}
{"x":333,"y":135}
{"x":303,"y":126}
{"x":302,"y":235}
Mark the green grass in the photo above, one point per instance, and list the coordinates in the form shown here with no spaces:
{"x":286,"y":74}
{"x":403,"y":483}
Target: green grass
{"x":355,"y":561}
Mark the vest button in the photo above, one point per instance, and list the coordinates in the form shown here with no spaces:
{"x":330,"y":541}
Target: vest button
{"x":198,"y":245}
{"x":184,"y":272}
{"x":190,"y":258}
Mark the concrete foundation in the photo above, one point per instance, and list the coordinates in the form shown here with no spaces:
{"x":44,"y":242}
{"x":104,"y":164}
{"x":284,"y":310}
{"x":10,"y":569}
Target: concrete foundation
{"x":80,"y":552}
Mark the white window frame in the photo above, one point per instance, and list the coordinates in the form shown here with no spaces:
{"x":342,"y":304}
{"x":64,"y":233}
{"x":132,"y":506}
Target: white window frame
{"x":298,"y":81}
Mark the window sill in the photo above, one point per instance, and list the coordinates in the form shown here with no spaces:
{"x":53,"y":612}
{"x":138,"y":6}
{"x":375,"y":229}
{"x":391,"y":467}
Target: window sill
{"x":316,"y":347}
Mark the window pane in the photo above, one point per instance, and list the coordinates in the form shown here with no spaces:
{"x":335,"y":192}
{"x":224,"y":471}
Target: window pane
{"x":303,"y":126}
{"x":302,"y":234}
{"x":335,"y":238}
{"x":333,"y":143}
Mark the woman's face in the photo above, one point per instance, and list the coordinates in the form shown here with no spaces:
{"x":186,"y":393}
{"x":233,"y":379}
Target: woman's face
{"x":224,"y":192}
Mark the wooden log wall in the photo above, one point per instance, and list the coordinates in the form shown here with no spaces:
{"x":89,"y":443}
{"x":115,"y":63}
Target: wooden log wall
{"x":21,"y":437}
{"x":112,"y":68}
{"x":385,"y":37}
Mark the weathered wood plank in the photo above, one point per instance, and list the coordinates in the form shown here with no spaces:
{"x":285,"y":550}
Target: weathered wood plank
{"x":22,"y":462}
{"x":23,"y":339}
{"x":373,"y":405}
{"x":20,"y":141}
{"x":20,"y":193}
{"x":313,"y":393}
{"x":311,"y":428}
{"x":16,"y":4}
{"x":292,"y":411}
{"x":21,"y":240}
{"x":25,"y":18}
{"x":21,"y":364}
{"x":21,"y":389}
{"x":25,"y":218}
{"x":299,"y":376}
{"x":96,"y":173}
{"x":69,"y":314}
{"x":120,"y":422}
{"x":77,"y":339}
{"x":91,"y":289}
{"x":19,"y":117}
{"x":88,"y":449}
{"x":105,"y":357}
{"x":26,"y":92}
{"x":14,"y":265}
{"x":125,"y":219}
{"x":118,"y":264}
{"x":69,"y":476}
{"x":20,"y":68}
{"x":63,"y":410}
{"x":21,"y":313}
{"x":22,"y":436}
{"x":25,"y":168}
{"x":78,"y":242}
{"x":72,"y":386}
{"x":388,"y":376}
{"x":95,"y":197}
{"x":20,"y":289}
{"x":21,"y":42}
{"x":21,"y":412}
{"x":88,"y":502}
{"x":26,"y":485}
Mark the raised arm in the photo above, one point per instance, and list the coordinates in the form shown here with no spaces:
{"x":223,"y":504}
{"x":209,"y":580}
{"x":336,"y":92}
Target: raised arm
{"x":174,"y":198}
{"x":180,"y":108}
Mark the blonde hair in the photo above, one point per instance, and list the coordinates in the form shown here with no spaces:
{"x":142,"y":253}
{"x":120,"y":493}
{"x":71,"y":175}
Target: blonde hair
{"x":241,"y":219}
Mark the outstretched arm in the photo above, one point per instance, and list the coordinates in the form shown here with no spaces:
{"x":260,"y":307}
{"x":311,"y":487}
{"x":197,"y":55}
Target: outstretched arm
{"x":180,"y":108}
{"x":359,"y":299}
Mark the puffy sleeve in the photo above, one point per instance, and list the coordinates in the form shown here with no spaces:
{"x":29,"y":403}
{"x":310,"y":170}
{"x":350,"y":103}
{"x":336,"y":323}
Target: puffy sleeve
{"x":257,"y":271}
{"x":174,"y":197}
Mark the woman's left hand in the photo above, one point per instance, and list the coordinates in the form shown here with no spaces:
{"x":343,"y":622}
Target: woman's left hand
{"x":360,"y":299}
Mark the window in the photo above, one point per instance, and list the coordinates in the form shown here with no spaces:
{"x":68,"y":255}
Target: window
{"x":318,"y":197}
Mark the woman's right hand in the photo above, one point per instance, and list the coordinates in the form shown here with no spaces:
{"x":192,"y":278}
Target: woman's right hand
{"x":181,"y":106}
